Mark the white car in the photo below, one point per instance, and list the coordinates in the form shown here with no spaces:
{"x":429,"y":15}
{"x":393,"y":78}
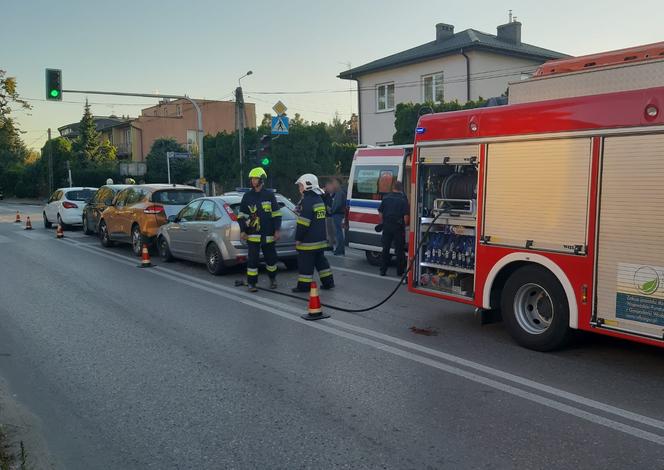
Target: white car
{"x":65,"y":206}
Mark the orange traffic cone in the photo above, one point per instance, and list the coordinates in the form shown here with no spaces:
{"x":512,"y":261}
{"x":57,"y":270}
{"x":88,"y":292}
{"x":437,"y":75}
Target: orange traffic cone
{"x":59,"y":232}
{"x":315,"y":308}
{"x":18,"y":218}
{"x":145,"y":258}
{"x":28,"y":224}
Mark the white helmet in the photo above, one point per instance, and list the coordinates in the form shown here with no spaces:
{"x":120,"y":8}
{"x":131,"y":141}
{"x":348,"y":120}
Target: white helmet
{"x":310,"y":183}
{"x":109,"y":181}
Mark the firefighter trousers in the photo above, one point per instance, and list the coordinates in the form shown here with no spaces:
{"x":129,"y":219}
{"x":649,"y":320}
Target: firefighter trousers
{"x":253,"y":257}
{"x":394,"y":234}
{"x":307,"y":261}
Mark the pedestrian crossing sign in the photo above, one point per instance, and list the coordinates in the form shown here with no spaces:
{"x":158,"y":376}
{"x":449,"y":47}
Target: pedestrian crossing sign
{"x":279,"y":125}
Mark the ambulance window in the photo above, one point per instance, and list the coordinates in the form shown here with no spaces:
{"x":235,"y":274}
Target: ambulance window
{"x":371,"y":182}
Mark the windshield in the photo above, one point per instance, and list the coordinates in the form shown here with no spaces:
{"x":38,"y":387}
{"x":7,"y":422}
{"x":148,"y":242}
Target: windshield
{"x":176,"y":197}
{"x":80,"y":194}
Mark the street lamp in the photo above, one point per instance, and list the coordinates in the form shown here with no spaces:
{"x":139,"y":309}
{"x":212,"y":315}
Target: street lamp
{"x":239,"y":107}
{"x":245,"y":75}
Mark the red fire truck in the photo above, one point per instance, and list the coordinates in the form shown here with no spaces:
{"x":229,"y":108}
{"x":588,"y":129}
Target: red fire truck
{"x":550,"y":209}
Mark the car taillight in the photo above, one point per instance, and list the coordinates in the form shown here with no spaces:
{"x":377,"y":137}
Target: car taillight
{"x":69,"y":205}
{"x":154,"y":210}
{"x":230,"y":212}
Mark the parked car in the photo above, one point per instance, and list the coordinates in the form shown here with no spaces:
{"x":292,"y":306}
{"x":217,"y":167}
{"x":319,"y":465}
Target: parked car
{"x":137,"y":212}
{"x":207,"y":231}
{"x":65,"y":206}
{"x":98,"y":204}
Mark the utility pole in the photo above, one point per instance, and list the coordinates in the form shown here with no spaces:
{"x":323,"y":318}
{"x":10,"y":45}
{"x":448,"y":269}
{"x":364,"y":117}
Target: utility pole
{"x":240,"y":124}
{"x":69,"y":172}
{"x":50,"y":163}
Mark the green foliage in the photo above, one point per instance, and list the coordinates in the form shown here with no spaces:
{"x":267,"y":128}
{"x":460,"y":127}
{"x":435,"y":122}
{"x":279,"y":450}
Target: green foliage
{"x":182,"y":171}
{"x":88,"y":146}
{"x":407,"y":115}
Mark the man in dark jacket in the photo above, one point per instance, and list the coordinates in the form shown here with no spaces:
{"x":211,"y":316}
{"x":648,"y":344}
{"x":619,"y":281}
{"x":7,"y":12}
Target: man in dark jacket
{"x":310,"y":236}
{"x":394,"y":212}
{"x":338,"y":211}
{"x":260,"y":223}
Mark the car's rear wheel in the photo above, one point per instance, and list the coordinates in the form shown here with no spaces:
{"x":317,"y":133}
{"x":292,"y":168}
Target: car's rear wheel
{"x":86,"y":227}
{"x":375,"y":258}
{"x":47,"y":224}
{"x":213,"y":259}
{"x":535,"y":309}
{"x":104,"y":237}
{"x":164,"y":250}
{"x":136,"y":240}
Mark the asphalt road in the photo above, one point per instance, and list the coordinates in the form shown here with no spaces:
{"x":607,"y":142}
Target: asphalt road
{"x":173,"y":368}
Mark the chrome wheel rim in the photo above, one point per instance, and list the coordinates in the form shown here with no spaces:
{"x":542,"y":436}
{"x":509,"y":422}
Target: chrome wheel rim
{"x":104,"y":232}
{"x":212,"y":257}
{"x":162,"y":248}
{"x":136,"y":240}
{"x":533,"y":308}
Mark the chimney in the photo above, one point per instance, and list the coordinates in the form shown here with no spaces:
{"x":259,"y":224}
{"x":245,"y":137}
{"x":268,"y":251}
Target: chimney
{"x":444,"y":32}
{"x":510,"y":32}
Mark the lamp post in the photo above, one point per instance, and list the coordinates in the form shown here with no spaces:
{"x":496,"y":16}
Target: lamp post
{"x":239,"y":110}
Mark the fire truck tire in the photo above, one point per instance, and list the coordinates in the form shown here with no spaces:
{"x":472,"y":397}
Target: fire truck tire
{"x":375,"y":258}
{"x":535,"y":309}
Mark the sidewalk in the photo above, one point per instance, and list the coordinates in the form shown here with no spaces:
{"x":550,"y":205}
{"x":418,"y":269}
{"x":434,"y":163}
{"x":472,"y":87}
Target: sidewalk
{"x":25,"y":202}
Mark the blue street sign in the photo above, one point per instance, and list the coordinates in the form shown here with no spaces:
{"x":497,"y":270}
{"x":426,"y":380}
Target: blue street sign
{"x":280,"y":125}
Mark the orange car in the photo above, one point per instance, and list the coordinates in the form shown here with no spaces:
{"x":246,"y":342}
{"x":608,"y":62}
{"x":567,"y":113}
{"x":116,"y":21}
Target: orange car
{"x":137,"y":212}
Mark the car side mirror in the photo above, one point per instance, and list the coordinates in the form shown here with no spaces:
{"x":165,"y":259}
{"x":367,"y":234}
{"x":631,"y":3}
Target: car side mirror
{"x":173,"y":218}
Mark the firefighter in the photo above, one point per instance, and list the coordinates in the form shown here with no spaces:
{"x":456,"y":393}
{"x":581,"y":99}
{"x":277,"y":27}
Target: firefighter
{"x":310,"y":236}
{"x":260,"y":223}
{"x":394,"y":212}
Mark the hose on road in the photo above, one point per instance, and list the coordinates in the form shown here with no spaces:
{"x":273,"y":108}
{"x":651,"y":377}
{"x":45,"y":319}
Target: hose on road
{"x":366,"y":309}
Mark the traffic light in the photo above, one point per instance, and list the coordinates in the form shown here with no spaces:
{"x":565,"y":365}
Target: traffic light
{"x":265,"y":150}
{"x":54,"y":84}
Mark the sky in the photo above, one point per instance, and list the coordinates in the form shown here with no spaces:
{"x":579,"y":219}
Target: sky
{"x":295,"y":48}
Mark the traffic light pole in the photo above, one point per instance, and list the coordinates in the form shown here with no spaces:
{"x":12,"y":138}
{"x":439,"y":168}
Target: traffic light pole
{"x":157,"y":95}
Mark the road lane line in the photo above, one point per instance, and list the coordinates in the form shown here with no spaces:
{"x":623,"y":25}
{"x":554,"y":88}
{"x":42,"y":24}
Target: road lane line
{"x":256,"y":302}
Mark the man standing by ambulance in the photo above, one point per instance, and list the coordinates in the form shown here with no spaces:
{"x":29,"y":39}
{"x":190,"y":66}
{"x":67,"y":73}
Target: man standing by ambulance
{"x":260,"y":223}
{"x":310,"y":236}
{"x":394,"y":215}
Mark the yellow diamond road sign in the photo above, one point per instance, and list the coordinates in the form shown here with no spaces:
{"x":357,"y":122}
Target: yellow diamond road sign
{"x":279,"y":108}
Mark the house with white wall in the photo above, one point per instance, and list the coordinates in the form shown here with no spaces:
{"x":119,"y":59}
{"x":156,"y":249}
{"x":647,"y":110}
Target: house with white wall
{"x":455,"y":66}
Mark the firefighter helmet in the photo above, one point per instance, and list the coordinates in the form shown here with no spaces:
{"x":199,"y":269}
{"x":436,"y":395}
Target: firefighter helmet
{"x":258,"y":172}
{"x":310,"y":183}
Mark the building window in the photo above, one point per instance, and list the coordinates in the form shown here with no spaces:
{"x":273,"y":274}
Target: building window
{"x":432,"y":88}
{"x":178,"y":110}
{"x":385,"y":97}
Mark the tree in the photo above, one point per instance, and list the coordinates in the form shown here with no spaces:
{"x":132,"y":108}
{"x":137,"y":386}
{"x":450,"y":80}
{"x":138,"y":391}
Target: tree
{"x":12,"y":149}
{"x":407,"y":115}
{"x":86,"y":145}
{"x":182,"y":170}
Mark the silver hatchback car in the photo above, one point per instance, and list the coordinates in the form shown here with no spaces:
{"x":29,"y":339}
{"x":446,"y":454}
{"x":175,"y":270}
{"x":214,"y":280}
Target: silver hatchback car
{"x":206,"y":231}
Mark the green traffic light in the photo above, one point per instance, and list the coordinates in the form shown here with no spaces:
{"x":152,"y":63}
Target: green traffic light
{"x":265,"y":161}
{"x":55,"y":93}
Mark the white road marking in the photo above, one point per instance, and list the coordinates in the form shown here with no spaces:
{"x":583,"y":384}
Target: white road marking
{"x":257,"y":302}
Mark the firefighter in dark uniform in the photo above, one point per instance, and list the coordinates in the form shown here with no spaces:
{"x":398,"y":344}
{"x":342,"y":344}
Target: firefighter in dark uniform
{"x":311,"y":236}
{"x":260,"y":221}
{"x":394,"y":212}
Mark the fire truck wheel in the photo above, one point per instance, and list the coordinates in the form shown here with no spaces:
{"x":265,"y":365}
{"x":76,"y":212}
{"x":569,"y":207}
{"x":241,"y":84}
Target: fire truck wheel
{"x":535,"y":309}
